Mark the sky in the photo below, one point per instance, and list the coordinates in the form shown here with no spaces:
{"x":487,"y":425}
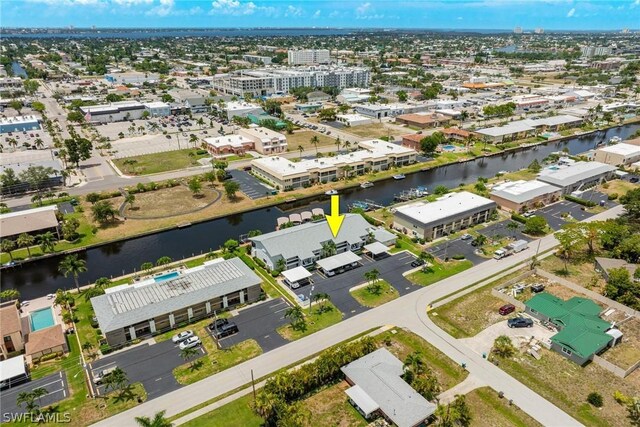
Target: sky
{"x":429,"y":14}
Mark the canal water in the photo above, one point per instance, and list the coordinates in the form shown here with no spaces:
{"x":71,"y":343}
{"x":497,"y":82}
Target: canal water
{"x":17,"y":70}
{"x":42,"y":277}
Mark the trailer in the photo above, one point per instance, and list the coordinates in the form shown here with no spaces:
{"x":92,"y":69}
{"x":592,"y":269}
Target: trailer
{"x":511,"y":248}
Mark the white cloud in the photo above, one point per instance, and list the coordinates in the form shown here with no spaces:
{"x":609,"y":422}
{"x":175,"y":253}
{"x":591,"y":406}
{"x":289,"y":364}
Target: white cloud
{"x":460,"y":18}
{"x":636,"y":3}
{"x":132,"y":2}
{"x":571,"y":12}
{"x":165,"y":8}
{"x":317,"y":14}
{"x":69,"y":2}
{"x":293,"y":11}
{"x":232,"y":7}
{"x":363,"y":8}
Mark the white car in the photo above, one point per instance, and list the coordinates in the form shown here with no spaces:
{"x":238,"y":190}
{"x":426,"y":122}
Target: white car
{"x":193,"y":341}
{"x":182,"y":336}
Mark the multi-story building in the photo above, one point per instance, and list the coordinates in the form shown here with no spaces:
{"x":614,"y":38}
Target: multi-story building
{"x":518,"y":196}
{"x":265,"y":141}
{"x":618,"y":154}
{"x":309,"y":56}
{"x":577,"y":176}
{"x":257,"y":59}
{"x":158,"y":109}
{"x":591,"y":51}
{"x":10,"y":329}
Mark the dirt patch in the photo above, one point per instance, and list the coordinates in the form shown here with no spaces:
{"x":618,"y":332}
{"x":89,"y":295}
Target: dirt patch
{"x":627,"y":353}
{"x":170,"y":202}
{"x":580,"y":271}
{"x":330,"y":407}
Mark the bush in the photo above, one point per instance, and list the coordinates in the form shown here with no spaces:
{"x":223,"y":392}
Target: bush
{"x":613,"y":196}
{"x":49,"y":356}
{"x":578,"y":200}
{"x":519,"y":218}
{"x":458,"y":257}
{"x":105,"y":349}
{"x":595,"y":399}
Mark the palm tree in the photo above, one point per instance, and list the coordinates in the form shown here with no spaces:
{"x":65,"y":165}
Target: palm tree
{"x":71,"y":264}
{"x":164,"y":260}
{"x":301,"y":150}
{"x":9,"y":295}
{"x":47,"y":241}
{"x":193,"y":139}
{"x":480,"y":240}
{"x":347,"y":144}
{"x":116,"y":380}
{"x":372,"y":275}
{"x":27,"y":399}
{"x":7,"y":246}
{"x":38,"y":143}
{"x":414,"y":363}
{"x":512,"y":227}
{"x":26,"y":241}
{"x":266,"y":404}
{"x":39,"y":393}
{"x":324,"y":297}
{"x":188,"y":354}
{"x":158,"y":421}
{"x":296,"y":317}
{"x":464,"y":115}
{"x":315,"y":141}
{"x":103,"y":282}
{"x":328,"y":248}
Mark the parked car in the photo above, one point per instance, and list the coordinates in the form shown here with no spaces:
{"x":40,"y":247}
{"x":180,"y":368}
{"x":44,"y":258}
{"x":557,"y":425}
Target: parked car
{"x":73,"y":202}
{"x":537,"y":288}
{"x":520,"y":322}
{"x":226,"y":330}
{"x":417,"y":262}
{"x":182,"y":336}
{"x":99,"y":376}
{"x":466,"y":236}
{"x":529,"y":214}
{"x":217,"y":324}
{"x":507,"y":309}
{"x":193,"y":341}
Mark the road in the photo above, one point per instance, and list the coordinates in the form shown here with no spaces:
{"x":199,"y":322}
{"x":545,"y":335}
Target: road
{"x":396,"y":312}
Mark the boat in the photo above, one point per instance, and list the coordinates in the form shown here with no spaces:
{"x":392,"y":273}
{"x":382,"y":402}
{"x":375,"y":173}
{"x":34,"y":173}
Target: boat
{"x":331,"y":192}
{"x":615,"y":140}
{"x":399,"y":177}
{"x":360,"y":205}
{"x":366,"y":184}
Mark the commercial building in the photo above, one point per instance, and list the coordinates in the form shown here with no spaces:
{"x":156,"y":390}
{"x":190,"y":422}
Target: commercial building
{"x":157,"y":109}
{"x":318,"y":96}
{"x":240,"y":109}
{"x":520,"y":196}
{"x":577,"y":176}
{"x":353,"y":119}
{"x":423,"y":120}
{"x":302,"y":245}
{"x":159,"y":304}
{"x":309,"y":56}
{"x":448,"y":214}
{"x":379,"y":111}
{"x":10,"y":329}
{"x":582,"y":333}
{"x":266,"y":141}
{"x":618,"y":154}
{"x":591,"y":51}
{"x":374,"y":155}
{"x":228,"y":145}
{"x":377,"y":388}
{"x":19,"y":124}
{"x":113,"y":112}
{"x":257,"y":59}
{"x":354,"y":95}
{"x":134,"y":77}
{"x":30,"y":221}
{"x":528,"y":127}
{"x":10,"y":84}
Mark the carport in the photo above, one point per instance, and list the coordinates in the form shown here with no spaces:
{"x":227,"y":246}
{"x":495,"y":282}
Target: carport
{"x":12,"y":371}
{"x":377,"y":250}
{"x":339,"y":263}
{"x":296,"y":277}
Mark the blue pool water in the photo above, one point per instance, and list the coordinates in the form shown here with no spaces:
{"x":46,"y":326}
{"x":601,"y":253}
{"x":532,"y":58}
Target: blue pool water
{"x":166,"y":277}
{"x":41,"y":319}
{"x":448,"y":147}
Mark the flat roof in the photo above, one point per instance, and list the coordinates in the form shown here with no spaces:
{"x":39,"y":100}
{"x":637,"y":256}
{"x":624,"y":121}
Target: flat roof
{"x":522,"y":191}
{"x":137,"y":303}
{"x":262,"y":133}
{"x":570,"y":174}
{"x":236,"y":141}
{"x":383,"y":147}
{"x":296,"y":274}
{"x":280,"y":165}
{"x":339,"y":260}
{"x":376,"y":248}
{"x":18,"y":119}
{"x":362,"y":399}
{"x":448,"y":206}
{"x":157,"y":104}
{"x":12,"y":368}
{"x":511,"y":128}
{"x":622,"y":149}
{"x":14,"y":223}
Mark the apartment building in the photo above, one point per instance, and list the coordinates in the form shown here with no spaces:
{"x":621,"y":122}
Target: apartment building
{"x":309,"y":56}
{"x":265,"y":141}
{"x":618,"y":154}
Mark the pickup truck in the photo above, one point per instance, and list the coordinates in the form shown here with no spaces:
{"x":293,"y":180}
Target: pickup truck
{"x":511,"y":248}
{"x":99,"y":376}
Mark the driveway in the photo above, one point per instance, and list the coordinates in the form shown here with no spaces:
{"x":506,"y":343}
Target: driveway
{"x":249,"y":185}
{"x":455,"y":247}
{"x":152,"y":365}
{"x":482,"y":342}
{"x":259,"y":322}
{"x":55,"y":384}
{"x":390,"y":268}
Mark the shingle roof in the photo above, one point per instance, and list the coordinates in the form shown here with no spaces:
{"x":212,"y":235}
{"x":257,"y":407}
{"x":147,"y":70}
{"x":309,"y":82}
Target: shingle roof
{"x":137,"y":303}
{"x":9,"y":319}
{"x":378,"y":374}
{"x":15,"y":223}
{"x":44,"y":339}
{"x":582,"y":329}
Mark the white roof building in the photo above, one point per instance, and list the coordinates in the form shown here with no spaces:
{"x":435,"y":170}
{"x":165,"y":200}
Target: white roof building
{"x":574,"y":176}
{"x":618,"y":154}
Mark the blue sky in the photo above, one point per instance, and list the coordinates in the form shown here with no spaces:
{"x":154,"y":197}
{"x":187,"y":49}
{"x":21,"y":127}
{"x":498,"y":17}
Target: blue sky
{"x":458,"y":14}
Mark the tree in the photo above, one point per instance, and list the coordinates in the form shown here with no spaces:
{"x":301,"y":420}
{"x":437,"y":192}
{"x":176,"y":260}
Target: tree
{"x":301,"y":150}
{"x":26,"y":241}
{"x":47,"y":241}
{"x":534,"y":166}
{"x":503,"y":347}
{"x":9,"y":178}
{"x":372,"y":277}
{"x":315,"y":141}
{"x":327,"y":114}
{"x":16,"y":104}
{"x":402,"y":95}
{"x":103,"y":212}
{"x":512,"y":226}
{"x":189,"y":353}
{"x":457,"y":414}
{"x":116,"y":380}
{"x":130,"y":198}
{"x":296,"y":317}
{"x":36,"y":176}
{"x":38,"y":106}
{"x":440,"y":190}
{"x":480,"y":240}
{"x":595,"y":399}
{"x":230,"y":246}
{"x":75,"y":116}
{"x":69,"y":229}
{"x":230,"y":189}
{"x":9,"y":295}
{"x":195,"y":186}
{"x":413,"y":366}
{"x":328,"y":249}
{"x":324,"y":298}
{"x":93,"y":292}
{"x":629,"y":249}
{"x":38,"y":143}
{"x":535,"y":225}
{"x":72,"y":265}
{"x":78,"y":149}
{"x":146,"y":266}
{"x":430,"y":143}
{"x":31,"y":86}
{"x":164,"y":260}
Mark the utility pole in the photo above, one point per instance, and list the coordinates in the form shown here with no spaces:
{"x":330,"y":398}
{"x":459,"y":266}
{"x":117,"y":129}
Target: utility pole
{"x":310,"y":298}
{"x":253,"y":385}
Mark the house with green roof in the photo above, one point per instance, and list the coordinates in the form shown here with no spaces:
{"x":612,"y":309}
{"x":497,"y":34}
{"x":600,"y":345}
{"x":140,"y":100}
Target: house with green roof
{"x":581,"y":331}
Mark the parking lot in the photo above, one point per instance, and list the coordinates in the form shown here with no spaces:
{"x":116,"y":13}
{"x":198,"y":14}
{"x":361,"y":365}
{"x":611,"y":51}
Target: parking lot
{"x":456,"y":247}
{"x":259,"y":322}
{"x":249,"y":185}
{"x":55,"y":384}
{"x":553,"y":213}
{"x":152,"y":365}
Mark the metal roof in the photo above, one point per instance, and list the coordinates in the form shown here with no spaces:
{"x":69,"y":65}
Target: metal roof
{"x":523,"y":191}
{"x":296,"y":274}
{"x":379,"y":375}
{"x":376,"y":248}
{"x":12,"y":368}
{"x":336,"y":261}
{"x":362,"y":399}
{"x":564,"y":176}
{"x":138,"y":303}
{"x":15,"y":223}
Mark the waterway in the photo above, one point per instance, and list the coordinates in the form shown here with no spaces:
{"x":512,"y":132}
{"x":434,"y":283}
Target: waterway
{"x":18,"y":71}
{"x":42,"y":277}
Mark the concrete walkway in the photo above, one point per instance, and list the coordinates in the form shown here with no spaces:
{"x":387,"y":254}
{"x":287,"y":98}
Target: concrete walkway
{"x":468,"y":385}
{"x":408,"y":311}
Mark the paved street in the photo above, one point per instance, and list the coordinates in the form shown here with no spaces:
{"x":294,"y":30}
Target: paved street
{"x":56,"y":385}
{"x":408,"y":311}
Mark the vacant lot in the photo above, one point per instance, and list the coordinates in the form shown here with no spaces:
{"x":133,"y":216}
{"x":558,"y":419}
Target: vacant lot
{"x":627,"y":353}
{"x":617,"y":186}
{"x":159,"y":162}
{"x":580,"y":271}
{"x":170,"y":202}
{"x":331,"y":407}
{"x":567,"y":385}
{"x":373,"y":130}
{"x":438,"y":271}
{"x":304,"y":137}
{"x":489,"y":410}
{"x":375,"y":296}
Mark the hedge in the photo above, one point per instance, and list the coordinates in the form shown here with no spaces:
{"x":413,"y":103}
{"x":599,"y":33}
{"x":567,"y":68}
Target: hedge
{"x":519,"y":218}
{"x":578,"y":200}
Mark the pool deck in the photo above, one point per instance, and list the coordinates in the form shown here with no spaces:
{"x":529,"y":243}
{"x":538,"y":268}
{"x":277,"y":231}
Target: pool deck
{"x":39,"y":304}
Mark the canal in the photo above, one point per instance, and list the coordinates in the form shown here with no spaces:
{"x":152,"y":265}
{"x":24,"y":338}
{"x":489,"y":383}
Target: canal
{"x":42,"y":277}
{"x":17,"y":70}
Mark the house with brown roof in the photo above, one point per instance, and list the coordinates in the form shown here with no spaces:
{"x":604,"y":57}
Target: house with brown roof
{"x":412,"y":141}
{"x":423,"y":121}
{"x":10,"y":329}
{"x":45,"y":341}
{"x":456,"y":134}
{"x":32,"y":221}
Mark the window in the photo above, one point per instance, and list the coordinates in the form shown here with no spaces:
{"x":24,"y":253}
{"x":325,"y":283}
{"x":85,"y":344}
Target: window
{"x":567,"y":351}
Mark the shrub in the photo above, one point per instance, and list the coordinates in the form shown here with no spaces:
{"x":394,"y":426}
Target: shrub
{"x":613,"y":196}
{"x":595,"y":399}
{"x":201,"y":152}
{"x":105,"y":349}
{"x":519,"y":218}
{"x":458,"y":257}
{"x":578,"y":200}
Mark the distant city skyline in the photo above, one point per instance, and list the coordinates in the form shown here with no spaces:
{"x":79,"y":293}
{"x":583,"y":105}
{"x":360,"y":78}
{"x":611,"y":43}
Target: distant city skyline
{"x":578,"y":15}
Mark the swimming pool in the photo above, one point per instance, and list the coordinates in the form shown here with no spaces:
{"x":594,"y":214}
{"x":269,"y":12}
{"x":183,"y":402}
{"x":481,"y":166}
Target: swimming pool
{"x":167,"y":276}
{"x":41,"y":319}
{"x":448,"y":147}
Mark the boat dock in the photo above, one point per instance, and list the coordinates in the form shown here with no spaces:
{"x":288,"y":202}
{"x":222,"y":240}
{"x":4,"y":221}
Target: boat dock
{"x":411,"y":194}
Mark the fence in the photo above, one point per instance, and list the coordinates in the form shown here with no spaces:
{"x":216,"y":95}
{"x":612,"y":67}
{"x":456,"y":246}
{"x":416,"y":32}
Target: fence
{"x":616,"y":370}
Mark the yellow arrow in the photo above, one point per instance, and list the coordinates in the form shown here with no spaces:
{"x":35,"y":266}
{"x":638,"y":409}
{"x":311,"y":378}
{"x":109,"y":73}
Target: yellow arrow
{"x":335,"y":219}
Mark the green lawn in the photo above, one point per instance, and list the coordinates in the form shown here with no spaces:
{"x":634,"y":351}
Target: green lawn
{"x":384,"y":294}
{"x":439,"y":270}
{"x":315,"y":321}
{"x":489,"y":410}
{"x":237,"y":413}
{"x":159,"y":162}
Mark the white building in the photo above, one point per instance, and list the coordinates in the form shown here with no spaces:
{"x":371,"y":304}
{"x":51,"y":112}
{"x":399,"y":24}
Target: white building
{"x":19,"y":124}
{"x":577,"y":176}
{"x":240,"y":109}
{"x":133,"y":77}
{"x":266,"y":141}
{"x":353,"y":119}
{"x":618,"y":154}
{"x":521,"y":195}
{"x":113,"y":112}
{"x":157,"y":109}
{"x":309,"y":56}
{"x":591,"y":51}
{"x":257,"y":59}
{"x":448,"y":214}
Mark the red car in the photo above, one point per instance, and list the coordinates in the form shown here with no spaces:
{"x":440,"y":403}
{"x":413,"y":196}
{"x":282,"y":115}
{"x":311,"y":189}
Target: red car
{"x":507,"y":309}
